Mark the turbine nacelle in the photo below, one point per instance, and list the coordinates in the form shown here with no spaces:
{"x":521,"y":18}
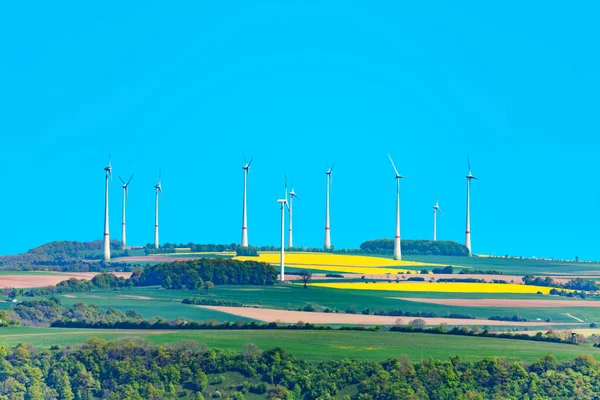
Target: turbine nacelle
{"x":398,"y":176}
{"x":470,"y":176}
{"x":108,"y":169}
{"x":247,"y":165}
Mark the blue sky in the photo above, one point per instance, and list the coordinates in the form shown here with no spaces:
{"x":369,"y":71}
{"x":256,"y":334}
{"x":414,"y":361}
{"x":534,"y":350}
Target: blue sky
{"x":192,"y":86}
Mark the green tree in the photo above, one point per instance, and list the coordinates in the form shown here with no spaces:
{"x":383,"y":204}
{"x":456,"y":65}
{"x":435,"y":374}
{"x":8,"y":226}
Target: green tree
{"x":208,"y":285}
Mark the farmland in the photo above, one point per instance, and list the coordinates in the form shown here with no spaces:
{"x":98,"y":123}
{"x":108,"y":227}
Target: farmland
{"x":449,"y":287}
{"x":350,"y":301}
{"x":317,"y":346}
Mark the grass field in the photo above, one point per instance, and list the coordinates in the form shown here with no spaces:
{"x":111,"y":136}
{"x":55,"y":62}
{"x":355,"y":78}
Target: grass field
{"x":37,"y":273}
{"x":513,"y":266}
{"x":318,"y":346}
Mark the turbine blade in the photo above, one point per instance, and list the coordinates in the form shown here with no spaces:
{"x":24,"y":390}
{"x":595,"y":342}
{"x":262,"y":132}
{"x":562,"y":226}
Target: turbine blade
{"x":122,"y":180}
{"x":250,"y":163}
{"x":332,"y":165}
{"x":469,"y":163}
{"x":393,"y":165}
{"x":129,"y":180}
{"x":245,"y":161}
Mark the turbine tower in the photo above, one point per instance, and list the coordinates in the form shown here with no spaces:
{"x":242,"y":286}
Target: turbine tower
{"x":397,"y":248}
{"x":436,"y":209}
{"x":328,"y":181}
{"x":108,"y":171}
{"x":283,"y":203}
{"x":292,"y":195}
{"x":246,"y":169}
{"x":158,"y":188}
{"x":123,"y":226}
{"x":468,"y":230}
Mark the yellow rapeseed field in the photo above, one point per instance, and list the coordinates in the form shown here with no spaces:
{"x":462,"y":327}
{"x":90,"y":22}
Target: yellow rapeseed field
{"x":445,"y":287}
{"x":358,"y":264}
{"x":332,"y":259}
{"x":355,"y":270}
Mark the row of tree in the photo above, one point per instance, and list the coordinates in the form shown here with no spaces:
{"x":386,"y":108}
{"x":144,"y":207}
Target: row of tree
{"x":573,"y":284}
{"x":415,"y":247}
{"x":134,"y":369}
{"x":377,"y":246}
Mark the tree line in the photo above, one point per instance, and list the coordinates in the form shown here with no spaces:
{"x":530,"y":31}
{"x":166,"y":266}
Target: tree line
{"x":132,"y":368}
{"x":377,"y":247}
{"x":415,"y":247}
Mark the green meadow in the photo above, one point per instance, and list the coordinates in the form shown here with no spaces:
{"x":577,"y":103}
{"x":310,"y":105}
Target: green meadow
{"x":317,"y":346}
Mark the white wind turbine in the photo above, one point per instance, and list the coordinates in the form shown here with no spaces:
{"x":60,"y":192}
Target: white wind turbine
{"x":397,"y":248}
{"x":468,"y":229}
{"x":157,"y":188}
{"x":328,"y":182}
{"x":123,"y":224}
{"x":284,"y":204}
{"x":246,"y":169}
{"x":290,"y":208}
{"x":108,"y":171}
{"x":436,"y":209}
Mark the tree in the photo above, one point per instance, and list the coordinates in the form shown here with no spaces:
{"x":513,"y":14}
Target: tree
{"x":208,"y":285}
{"x":306,"y":277}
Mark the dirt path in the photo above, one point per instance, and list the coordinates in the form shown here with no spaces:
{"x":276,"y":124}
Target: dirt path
{"x":292,"y":317}
{"x":32,"y":280}
{"x":504,"y":302}
{"x":574,"y":317}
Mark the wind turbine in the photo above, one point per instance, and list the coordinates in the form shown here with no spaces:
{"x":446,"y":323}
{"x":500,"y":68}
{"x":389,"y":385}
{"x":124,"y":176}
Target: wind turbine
{"x":397,"y":248}
{"x":123,"y":226}
{"x":328,"y":181}
{"x":283,"y":203}
{"x":468,"y":230}
{"x":436,"y":209}
{"x":158,"y":188}
{"x":108,"y":171}
{"x":292,"y":195}
{"x":246,"y":169}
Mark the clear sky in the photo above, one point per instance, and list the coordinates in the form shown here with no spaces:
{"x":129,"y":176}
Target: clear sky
{"x":191,"y":86}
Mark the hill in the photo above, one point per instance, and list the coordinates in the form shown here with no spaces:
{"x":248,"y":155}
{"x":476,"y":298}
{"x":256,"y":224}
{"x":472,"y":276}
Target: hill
{"x":63,"y":255}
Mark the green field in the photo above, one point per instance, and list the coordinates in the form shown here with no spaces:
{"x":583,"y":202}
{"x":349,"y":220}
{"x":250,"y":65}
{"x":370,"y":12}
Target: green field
{"x":157,"y":302}
{"x":512,"y":266}
{"x":38,"y":273}
{"x":319,"y":346}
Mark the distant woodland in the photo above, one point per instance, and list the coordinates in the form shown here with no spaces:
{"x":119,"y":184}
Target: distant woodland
{"x":415,"y":247}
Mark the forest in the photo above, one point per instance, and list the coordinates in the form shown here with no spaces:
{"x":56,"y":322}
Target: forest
{"x":191,"y":274}
{"x":133,"y":368}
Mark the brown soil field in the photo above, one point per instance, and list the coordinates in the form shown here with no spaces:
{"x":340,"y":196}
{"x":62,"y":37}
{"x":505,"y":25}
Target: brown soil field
{"x":487,"y":278}
{"x":504,"y":302}
{"x":33,"y":280}
{"x":292,"y":317}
